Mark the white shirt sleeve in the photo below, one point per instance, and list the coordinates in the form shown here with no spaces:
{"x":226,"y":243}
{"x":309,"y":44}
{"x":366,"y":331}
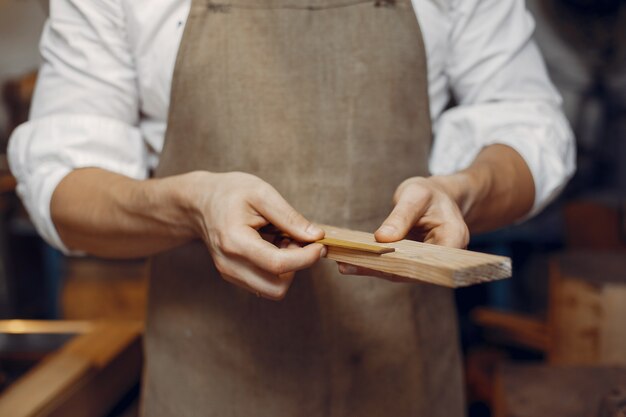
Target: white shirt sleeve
{"x":504,"y":96}
{"x":85,"y":108}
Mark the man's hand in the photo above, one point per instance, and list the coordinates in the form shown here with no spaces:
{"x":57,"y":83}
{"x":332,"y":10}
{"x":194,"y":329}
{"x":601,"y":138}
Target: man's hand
{"x":425,"y":210}
{"x":497,"y":189}
{"x":228,"y":216}
{"x":113,"y":216}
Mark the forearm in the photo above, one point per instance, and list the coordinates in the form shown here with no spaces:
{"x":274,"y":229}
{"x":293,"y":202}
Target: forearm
{"x":113,"y":216}
{"x":496,"y":190}
{"x":109,"y":215}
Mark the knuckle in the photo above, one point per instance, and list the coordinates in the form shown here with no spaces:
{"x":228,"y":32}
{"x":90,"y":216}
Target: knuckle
{"x":402,"y":189}
{"x":227,"y":244}
{"x":409,"y":182}
{"x":415,"y":195}
{"x":217,"y":237}
{"x":260,"y":192}
{"x":222,"y":267}
{"x":293,"y":217}
{"x":277,"y":293}
{"x":277,"y":266}
{"x":420,"y":194}
{"x":245,"y":177}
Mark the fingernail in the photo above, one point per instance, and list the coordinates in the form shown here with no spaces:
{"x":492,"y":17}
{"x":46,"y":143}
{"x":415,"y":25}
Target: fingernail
{"x":348,"y":269}
{"x":386,"y":230}
{"x":324,"y":252}
{"x":313,"y":230}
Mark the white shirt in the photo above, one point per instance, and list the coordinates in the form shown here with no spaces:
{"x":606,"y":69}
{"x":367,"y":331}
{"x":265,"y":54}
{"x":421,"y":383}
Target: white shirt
{"x":102,"y":96}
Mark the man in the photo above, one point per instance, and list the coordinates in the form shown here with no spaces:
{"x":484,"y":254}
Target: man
{"x":288,"y":112}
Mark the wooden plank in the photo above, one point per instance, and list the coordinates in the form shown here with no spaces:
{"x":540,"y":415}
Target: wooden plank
{"x":423,"y":262}
{"x":333,"y":242}
{"x":361,"y":247}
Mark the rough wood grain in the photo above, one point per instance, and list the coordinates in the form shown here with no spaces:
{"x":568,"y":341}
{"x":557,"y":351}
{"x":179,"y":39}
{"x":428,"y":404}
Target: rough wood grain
{"x":421,"y":261}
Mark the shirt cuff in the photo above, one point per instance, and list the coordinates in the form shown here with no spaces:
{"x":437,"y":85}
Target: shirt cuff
{"x":538,"y":131}
{"x":43,"y":151}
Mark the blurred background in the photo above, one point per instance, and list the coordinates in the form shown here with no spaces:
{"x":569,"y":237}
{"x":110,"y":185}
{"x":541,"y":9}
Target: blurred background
{"x":549,"y":342}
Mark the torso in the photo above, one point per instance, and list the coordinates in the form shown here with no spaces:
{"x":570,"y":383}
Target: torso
{"x":154,"y":35}
{"x":327,"y":100}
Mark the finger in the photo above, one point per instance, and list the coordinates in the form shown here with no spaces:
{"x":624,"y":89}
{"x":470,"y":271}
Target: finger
{"x":266,"y":284}
{"x":348,"y":269}
{"x":236,"y":282}
{"x":403,"y":217}
{"x":452,"y":235}
{"x":287,"y":276}
{"x":279,"y":212}
{"x":256,"y":281}
{"x":268,"y":257}
{"x":227,"y":271}
{"x":288,"y":244}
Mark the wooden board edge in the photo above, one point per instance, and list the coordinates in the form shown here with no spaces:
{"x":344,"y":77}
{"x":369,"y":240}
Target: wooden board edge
{"x":371,"y":260}
{"x":483,"y":273}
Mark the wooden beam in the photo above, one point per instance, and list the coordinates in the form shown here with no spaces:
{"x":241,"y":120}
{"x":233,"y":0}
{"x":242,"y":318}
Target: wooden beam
{"x":45,"y":326}
{"x":84,"y":378}
{"x":420,"y":261}
{"x":520,"y":329}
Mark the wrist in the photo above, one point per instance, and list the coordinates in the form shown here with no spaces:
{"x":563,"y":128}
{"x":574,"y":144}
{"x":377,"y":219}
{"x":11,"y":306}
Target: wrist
{"x":169,"y":201}
{"x":190,"y":195}
{"x":464,"y":187}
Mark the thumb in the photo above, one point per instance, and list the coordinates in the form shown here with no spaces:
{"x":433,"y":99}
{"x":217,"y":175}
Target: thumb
{"x":275,"y":209}
{"x":402,"y":218}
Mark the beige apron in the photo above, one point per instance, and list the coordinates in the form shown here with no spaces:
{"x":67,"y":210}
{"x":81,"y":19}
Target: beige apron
{"x":327,"y":101}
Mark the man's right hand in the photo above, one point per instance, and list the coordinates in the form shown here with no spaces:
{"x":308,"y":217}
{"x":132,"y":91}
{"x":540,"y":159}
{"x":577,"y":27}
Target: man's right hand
{"x":228,"y":210}
{"x":113,"y":216}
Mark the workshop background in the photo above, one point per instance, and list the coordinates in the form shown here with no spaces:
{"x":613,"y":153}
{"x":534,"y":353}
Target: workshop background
{"x":549,"y":342}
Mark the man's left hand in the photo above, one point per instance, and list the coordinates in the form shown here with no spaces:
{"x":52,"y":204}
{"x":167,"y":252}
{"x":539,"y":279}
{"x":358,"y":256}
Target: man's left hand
{"x":425,"y":210}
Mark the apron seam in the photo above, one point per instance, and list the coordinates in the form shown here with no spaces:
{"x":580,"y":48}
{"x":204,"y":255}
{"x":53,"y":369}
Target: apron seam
{"x":224,"y":6}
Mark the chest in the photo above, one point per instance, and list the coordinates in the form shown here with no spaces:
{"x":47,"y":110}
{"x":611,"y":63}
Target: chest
{"x":155,"y":29}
